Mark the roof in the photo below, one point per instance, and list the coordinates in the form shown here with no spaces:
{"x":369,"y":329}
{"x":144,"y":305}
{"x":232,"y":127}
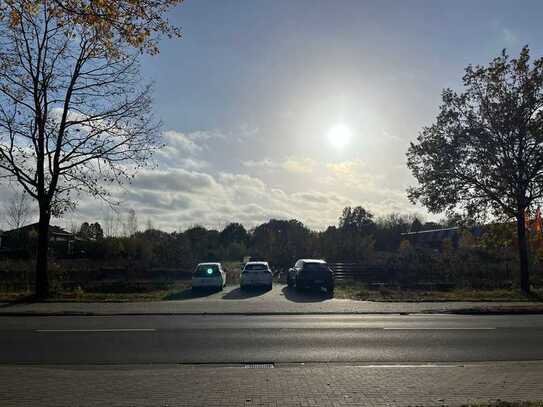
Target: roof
{"x":432,"y":235}
{"x":420,"y":232}
{"x":209,"y":264}
{"x":263,"y":263}
{"x":312,"y":260}
{"x":34,"y":226}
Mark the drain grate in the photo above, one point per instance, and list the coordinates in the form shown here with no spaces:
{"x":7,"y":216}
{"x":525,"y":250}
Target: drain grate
{"x":259,"y":365}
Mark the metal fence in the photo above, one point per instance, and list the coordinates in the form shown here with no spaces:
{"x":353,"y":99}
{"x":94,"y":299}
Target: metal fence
{"x":363,"y":272}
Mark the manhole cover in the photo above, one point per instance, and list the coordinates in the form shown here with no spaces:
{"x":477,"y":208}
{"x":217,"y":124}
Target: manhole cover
{"x":259,"y":366}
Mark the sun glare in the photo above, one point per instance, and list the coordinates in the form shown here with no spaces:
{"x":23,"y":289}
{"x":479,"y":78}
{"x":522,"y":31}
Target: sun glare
{"x":339,"y":135}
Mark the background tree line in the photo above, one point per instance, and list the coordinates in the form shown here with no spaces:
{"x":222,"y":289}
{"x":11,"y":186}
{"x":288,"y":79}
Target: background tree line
{"x":480,"y":256}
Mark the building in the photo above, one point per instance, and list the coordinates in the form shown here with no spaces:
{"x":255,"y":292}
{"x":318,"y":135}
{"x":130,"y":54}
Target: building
{"x":433,"y":238}
{"x":22,"y":242}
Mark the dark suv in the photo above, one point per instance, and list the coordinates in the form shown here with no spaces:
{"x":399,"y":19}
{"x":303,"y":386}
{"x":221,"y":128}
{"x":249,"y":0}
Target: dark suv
{"x":311,"y":273}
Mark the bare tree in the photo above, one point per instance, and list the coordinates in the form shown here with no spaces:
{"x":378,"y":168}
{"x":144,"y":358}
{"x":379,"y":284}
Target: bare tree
{"x":18,"y":210}
{"x":110,"y":222}
{"x":74,"y":115}
{"x":131,"y":224}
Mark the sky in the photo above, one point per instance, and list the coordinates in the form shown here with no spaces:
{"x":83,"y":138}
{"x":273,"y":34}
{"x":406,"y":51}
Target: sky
{"x":296,"y":109}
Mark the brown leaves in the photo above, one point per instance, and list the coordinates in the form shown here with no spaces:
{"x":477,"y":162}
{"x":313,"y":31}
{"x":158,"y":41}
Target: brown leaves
{"x":14,"y":18}
{"x":115,"y":24}
{"x":137,"y":23}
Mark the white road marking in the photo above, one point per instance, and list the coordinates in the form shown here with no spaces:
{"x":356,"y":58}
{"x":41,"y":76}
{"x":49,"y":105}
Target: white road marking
{"x":410,"y":366}
{"x":439,"y":328}
{"x":95,"y":330}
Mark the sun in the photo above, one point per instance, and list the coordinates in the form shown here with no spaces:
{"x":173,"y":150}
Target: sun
{"x":339,"y":136}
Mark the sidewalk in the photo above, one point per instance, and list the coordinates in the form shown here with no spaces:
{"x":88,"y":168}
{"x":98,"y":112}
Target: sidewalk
{"x":317,"y":385}
{"x":276,"y":301}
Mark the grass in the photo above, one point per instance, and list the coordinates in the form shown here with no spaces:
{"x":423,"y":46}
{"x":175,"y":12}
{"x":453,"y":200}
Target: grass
{"x":177,"y":290}
{"x":358,"y":291}
{"x":508,"y":404}
{"x":119,"y":291}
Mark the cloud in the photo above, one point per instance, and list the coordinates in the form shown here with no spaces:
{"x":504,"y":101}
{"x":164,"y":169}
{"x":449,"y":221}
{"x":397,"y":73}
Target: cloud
{"x":177,"y":146}
{"x":203,"y":177}
{"x":345,"y":168}
{"x":290,"y":164}
{"x":177,"y":199}
{"x":174,"y":179}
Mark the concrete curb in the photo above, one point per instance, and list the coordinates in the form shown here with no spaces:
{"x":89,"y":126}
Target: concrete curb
{"x":510,"y":311}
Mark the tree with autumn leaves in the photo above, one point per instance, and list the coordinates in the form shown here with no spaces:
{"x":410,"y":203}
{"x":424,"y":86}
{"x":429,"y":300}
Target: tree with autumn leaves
{"x":484,"y":153}
{"x":75,"y":114}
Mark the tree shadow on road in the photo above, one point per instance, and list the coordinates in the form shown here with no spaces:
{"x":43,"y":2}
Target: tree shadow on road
{"x":315,"y":295}
{"x":239,"y":294}
{"x":189,"y":294}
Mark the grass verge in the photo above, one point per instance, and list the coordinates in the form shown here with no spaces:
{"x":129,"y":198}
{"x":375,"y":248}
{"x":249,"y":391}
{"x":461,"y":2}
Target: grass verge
{"x":508,"y":404}
{"x":358,"y":291}
{"x":177,"y":291}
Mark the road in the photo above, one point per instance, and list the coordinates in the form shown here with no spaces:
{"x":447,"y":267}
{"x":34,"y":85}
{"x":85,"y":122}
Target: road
{"x":235,"y":339}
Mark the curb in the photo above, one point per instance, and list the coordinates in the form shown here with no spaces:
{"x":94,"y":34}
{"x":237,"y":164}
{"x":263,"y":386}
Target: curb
{"x":468,"y":311}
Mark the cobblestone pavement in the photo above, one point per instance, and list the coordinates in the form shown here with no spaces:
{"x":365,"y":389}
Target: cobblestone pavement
{"x":233,"y":301}
{"x":287,"y":385}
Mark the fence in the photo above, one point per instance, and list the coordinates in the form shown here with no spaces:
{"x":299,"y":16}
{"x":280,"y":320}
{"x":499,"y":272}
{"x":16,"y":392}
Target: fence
{"x":378,"y":276}
{"x":371,"y":274}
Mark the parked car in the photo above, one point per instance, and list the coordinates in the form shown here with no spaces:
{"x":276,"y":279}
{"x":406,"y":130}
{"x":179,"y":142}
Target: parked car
{"x":209,"y":275}
{"x":256,"y":274}
{"x":311,"y":273}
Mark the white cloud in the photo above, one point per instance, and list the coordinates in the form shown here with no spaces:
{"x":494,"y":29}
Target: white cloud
{"x":198,"y":182}
{"x":181,"y":142}
{"x":174,"y":179}
{"x":290,"y":164}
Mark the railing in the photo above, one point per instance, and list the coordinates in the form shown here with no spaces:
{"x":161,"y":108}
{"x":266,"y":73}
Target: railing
{"x":362,"y":272}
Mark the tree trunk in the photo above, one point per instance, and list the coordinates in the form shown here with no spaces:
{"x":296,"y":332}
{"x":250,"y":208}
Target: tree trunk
{"x":523,"y":254}
{"x":42,"y":278}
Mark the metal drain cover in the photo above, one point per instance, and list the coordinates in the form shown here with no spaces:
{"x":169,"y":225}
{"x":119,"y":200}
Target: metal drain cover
{"x":259,"y":366}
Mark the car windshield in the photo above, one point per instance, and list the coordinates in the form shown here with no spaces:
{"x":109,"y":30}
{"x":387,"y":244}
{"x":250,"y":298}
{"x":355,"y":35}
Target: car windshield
{"x":255,"y":268}
{"x":207,"y":270}
{"x":315,"y":267}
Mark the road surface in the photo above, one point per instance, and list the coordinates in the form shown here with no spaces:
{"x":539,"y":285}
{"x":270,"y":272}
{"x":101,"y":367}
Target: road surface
{"x":235,"y":339}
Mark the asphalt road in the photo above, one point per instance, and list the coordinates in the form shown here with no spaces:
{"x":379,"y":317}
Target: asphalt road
{"x":279,"y":339}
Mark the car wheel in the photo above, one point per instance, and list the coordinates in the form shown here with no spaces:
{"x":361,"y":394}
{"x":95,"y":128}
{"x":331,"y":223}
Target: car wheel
{"x":270,"y":287}
{"x":289,"y":282}
{"x":330,"y":291}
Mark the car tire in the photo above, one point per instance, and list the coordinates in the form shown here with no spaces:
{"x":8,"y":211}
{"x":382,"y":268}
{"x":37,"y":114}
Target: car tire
{"x":270,"y":287}
{"x":289,"y":282}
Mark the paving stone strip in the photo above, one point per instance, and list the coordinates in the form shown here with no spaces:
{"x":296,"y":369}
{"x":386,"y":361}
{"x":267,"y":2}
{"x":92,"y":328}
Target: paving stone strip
{"x":277,"y":301}
{"x":312,"y":385}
